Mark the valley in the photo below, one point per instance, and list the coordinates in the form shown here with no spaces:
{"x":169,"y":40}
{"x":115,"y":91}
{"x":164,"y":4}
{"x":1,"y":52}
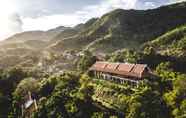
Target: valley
{"x":100,"y":68}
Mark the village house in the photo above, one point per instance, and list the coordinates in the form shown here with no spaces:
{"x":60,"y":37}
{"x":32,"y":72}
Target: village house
{"x":29,"y":106}
{"x":122,"y":73}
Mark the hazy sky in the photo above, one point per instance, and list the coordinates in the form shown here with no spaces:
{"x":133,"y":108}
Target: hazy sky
{"x":24,"y":15}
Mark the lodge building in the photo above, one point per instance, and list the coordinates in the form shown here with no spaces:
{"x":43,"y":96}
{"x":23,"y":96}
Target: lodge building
{"x":120,"y":72}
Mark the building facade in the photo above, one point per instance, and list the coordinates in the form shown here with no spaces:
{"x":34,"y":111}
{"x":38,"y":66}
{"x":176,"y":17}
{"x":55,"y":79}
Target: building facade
{"x":123,"y":73}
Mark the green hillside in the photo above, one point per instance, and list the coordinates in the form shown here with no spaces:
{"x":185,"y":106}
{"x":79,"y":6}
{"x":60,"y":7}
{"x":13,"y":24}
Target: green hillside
{"x":113,"y":31}
{"x":173,"y":43}
{"x":120,"y":29}
{"x":53,"y":66}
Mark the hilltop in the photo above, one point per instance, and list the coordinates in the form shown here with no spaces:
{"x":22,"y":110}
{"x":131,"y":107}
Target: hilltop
{"x":53,"y":68}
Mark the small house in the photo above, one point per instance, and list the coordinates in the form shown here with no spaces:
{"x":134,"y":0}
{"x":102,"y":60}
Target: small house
{"x":29,"y":106}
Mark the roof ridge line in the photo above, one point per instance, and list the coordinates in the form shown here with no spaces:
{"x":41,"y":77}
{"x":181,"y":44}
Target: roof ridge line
{"x":117,"y":66}
{"x":134,"y":65}
{"x":106,"y":64}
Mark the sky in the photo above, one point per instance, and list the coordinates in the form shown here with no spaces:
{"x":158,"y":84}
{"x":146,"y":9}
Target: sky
{"x":26,"y":15}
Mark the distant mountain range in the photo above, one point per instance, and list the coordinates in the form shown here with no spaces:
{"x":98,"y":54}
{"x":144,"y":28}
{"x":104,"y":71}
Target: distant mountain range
{"x":124,"y":29}
{"x":115,"y":30}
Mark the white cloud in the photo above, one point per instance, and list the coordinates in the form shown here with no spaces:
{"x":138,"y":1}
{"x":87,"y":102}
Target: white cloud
{"x":10,"y":22}
{"x":10,"y":25}
{"x":127,"y":4}
{"x":149,"y":4}
{"x":48,"y":22}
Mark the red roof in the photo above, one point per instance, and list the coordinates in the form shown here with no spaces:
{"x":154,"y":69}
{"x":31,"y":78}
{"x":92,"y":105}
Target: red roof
{"x":123,"y":69}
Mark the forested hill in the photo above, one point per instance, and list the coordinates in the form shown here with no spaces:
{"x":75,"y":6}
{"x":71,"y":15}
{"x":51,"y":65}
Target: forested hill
{"x":126,"y":28}
{"x":115,"y":30}
{"x":173,"y":43}
{"x":55,"y":69}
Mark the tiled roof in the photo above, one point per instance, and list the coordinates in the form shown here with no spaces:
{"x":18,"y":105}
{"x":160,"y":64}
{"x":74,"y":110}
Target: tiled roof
{"x":112,"y":66}
{"x":123,"y":69}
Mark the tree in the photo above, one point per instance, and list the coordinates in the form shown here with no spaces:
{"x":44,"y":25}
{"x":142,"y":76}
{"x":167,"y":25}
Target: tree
{"x":10,"y":79}
{"x":98,"y":115}
{"x":22,"y":89}
{"x":182,"y":110}
{"x":86,"y":90}
{"x":175,"y":98}
{"x":5,"y":104}
{"x":47,"y":86}
{"x":164,"y":67}
{"x":126,"y":55}
{"x":147,"y":104}
{"x":61,"y":103}
{"x":26,"y":85}
{"x":86,"y":61}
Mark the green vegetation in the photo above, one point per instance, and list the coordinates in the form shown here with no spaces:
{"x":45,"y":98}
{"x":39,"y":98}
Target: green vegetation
{"x":172,"y":43}
{"x":76,"y":94}
{"x":86,"y":60}
{"x":119,"y":29}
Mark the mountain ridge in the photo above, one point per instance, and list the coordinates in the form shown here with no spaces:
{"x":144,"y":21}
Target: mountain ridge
{"x":113,"y":31}
{"x":123,"y":26}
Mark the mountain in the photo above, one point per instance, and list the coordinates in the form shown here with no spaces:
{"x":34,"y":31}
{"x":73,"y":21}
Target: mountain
{"x":29,"y":35}
{"x":73,"y":32}
{"x":113,"y":31}
{"x":58,"y":29}
{"x":37,"y":35}
{"x":125,"y":29}
{"x":52,"y":67}
{"x":26,"y":47}
{"x":36,"y":40}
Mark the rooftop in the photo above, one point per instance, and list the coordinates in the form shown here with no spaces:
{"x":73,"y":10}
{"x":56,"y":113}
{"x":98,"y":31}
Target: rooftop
{"x":28,"y":103}
{"x":124,"y":69}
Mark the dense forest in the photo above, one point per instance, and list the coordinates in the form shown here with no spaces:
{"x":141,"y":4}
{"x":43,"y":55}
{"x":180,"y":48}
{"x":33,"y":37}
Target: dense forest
{"x":74,"y":93}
